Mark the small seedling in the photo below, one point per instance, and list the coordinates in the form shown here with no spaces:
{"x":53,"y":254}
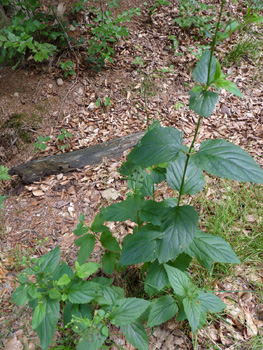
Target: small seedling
{"x":178,"y":105}
{"x":4,"y":173}
{"x":97,"y":103}
{"x":41,"y":143}
{"x":4,"y":176}
{"x":138,"y":61}
{"x":62,"y":137}
{"x":68,"y":68}
{"x":107,"y":101}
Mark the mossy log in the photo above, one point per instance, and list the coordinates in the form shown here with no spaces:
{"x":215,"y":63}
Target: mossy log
{"x":63,"y":163}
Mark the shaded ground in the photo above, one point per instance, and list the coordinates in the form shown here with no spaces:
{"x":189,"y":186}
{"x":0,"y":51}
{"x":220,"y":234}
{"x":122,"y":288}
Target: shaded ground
{"x":40,"y":216}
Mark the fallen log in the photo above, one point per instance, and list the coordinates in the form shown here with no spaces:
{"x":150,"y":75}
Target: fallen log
{"x":36,"y":170}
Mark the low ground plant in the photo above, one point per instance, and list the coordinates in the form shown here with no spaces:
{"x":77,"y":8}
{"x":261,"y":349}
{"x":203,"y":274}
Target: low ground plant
{"x":194,"y":14}
{"x":105,"y":31}
{"x":247,"y":49}
{"x":166,"y":237}
{"x":32,"y":32}
{"x":4,"y":176}
{"x":38,"y":32}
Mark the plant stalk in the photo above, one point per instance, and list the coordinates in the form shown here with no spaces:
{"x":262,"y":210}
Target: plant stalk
{"x":214,"y":44}
{"x":187,"y":159}
{"x":206,"y":88}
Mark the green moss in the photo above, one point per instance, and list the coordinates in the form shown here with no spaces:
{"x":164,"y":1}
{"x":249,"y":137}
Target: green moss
{"x":23,"y":124}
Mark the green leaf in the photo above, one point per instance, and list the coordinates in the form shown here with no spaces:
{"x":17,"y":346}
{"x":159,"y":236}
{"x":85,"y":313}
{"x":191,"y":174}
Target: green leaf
{"x":156,"y":278}
{"x":124,"y":210}
{"x":203,"y":103}
{"x":224,"y":159}
{"x":141,"y":246}
{"x":109,"y":262}
{"x":98,"y":223}
{"x":210,"y":302}
{"x":110,"y":296}
{"x":128,"y":310}
{"x":92,"y":341}
{"x":158,"y":174}
{"x":81,"y":292}
{"x":82,"y":217}
{"x":86,"y":270}
{"x":64,"y":280}
{"x":182,"y":262}
{"x":194,"y":179}
{"x":54,"y":294}
{"x":144,"y":184}
{"x":159,"y":145}
{"x":32,"y":291}
{"x":179,"y":229}
{"x":218,"y":72}
{"x":178,"y":281}
{"x":192,"y":308}
{"x":136,"y":335}
{"x":65,"y":270}
{"x":77,"y":310}
{"x":209,"y":247}
{"x":21,"y":295}
{"x":109,"y":242}
{"x":105,"y":331}
{"x":81,"y":229}
{"x":200,"y":73}
{"x":50,"y":261}
{"x":46,"y":329}
{"x":152,"y":212}
{"x":2,"y":199}
{"x":229,"y":86}
{"x":38,"y":315}
{"x":197,"y":88}
{"x":86,"y":244}
{"x":163,"y":310}
{"x":256,"y":19}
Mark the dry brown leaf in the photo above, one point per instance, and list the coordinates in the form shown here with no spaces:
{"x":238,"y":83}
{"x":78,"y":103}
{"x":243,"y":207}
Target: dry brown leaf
{"x":14,"y":344}
{"x":251,"y":328}
{"x":38,"y":193}
{"x":110,"y":194}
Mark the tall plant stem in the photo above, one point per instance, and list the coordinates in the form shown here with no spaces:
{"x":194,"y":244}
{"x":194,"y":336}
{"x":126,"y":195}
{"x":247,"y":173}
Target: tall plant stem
{"x":214,"y":44}
{"x":200,"y":117}
{"x":187,"y":159}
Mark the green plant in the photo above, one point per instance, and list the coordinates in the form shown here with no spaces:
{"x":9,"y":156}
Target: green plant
{"x":62,"y":137}
{"x":165,"y":236}
{"x":178,"y":105}
{"x":234,"y":25}
{"x":174,"y":45}
{"x":79,"y":6}
{"x":41,"y":143}
{"x":30,"y":33}
{"x":198,"y":50}
{"x":105,"y":30}
{"x":138,"y":61}
{"x":107,"y":101}
{"x":246,"y":48}
{"x":191,"y":15}
{"x":156,"y":5}
{"x":68,"y":68}
{"x":4,"y":176}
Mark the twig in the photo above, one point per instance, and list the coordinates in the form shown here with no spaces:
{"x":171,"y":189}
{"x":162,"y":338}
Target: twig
{"x":65,"y":33}
{"x":64,"y":98}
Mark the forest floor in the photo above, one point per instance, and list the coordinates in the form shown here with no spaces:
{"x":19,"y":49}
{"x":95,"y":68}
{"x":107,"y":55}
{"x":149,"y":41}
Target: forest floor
{"x":148,"y":79}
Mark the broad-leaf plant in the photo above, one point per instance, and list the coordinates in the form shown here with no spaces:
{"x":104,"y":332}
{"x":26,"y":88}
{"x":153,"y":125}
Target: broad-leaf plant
{"x":165,"y":238}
